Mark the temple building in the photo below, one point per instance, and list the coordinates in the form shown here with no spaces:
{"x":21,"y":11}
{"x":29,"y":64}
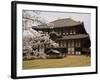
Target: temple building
{"x":69,"y":34}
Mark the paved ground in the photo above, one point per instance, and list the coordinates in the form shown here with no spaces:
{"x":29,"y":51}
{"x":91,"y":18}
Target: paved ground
{"x":69,"y":61}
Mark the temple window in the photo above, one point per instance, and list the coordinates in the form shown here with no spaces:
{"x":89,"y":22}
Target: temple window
{"x":72,"y":49}
{"x":64,"y":43}
{"x":64,"y":33}
{"x":79,"y":43}
{"x":74,"y":32}
{"x":72,"y":43}
{"x":76,"y":43}
{"x":61,"y":43}
{"x":69,"y":45}
{"x":71,"y":32}
{"x":69,"y":50}
{"x":67,"y":33}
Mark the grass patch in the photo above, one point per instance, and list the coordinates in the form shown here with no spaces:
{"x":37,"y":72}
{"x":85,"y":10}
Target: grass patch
{"x":68,"y":61}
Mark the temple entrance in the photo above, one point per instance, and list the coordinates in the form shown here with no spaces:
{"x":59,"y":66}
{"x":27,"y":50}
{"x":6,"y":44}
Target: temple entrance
{"x":74,"y":47}
{"x":71,"y":50}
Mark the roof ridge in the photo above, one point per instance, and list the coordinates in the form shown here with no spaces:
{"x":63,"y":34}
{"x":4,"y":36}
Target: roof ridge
{"x":65,"y":19}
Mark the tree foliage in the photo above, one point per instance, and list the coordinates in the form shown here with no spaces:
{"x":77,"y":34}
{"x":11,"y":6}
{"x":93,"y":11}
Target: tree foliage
{"x":34,"y":41}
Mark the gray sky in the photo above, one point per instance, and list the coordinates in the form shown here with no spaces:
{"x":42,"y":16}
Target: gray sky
{"x":51,"y":16}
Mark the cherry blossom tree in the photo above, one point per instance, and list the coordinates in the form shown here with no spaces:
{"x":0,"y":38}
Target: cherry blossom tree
{"x":34,"y":41}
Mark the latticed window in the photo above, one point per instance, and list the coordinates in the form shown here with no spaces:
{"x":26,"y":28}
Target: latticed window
{"x":74,"y":32}
{"x":69,"y":44}
{"x":64,"y":33}
{"x":71,"y":32}
{"x":78,"y":52}
{"x":61,"y":43}
{"x":72,"y":49}
{"x":64,"y":43}
{"x":78,"y":44}
{"x":72,"y":43}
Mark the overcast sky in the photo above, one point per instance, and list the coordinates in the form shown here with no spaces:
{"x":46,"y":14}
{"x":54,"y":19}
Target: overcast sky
{"x":51,"y":16}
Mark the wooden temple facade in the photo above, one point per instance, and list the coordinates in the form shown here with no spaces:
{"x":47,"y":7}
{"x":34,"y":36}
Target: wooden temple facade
{"x":69,"y":34}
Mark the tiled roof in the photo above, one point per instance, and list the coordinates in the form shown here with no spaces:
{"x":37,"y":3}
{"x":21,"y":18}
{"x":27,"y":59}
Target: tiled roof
{"x":66,"y":22}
